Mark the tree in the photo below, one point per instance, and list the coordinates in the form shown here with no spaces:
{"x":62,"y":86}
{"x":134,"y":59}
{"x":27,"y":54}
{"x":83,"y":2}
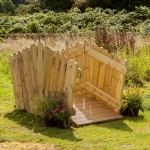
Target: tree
{"x":8,"y":7}
{"x":18,"y":2}
{"x":1,"y":6}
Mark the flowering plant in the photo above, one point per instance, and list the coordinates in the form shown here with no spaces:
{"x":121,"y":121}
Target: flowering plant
{"x":53,"y":106}
{"x":132,"y":99}
{"x":62,"y":113}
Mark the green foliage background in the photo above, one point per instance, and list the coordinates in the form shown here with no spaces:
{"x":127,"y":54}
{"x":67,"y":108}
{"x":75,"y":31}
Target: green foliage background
{"x":75,"y":21}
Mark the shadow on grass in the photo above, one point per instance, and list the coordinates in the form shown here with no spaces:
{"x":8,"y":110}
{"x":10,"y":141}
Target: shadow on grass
{"x":37,"y":124}
{"x":121,"y":125}
{"x":117,"y":124}
{"x":135,"y":119}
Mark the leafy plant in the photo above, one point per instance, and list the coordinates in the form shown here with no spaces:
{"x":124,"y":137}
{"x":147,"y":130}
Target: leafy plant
{"x":53,"y":106}
{"x":132,"y":99}
{"x":62,"y":113}
{"x":43,"y":106}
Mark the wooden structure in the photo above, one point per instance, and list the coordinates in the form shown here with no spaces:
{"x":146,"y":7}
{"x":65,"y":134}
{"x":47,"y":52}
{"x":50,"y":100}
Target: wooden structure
{"x":89,"y":110}
{"x":102,"y":79}
{"x":103,"y":74}
{"x":37,"y":70}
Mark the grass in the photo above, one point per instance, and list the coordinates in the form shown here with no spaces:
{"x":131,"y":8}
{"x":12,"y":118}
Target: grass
{"x":20,"y":126}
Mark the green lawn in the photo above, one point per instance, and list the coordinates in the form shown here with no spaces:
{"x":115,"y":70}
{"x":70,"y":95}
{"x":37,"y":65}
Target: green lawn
{"x":19,"y":126}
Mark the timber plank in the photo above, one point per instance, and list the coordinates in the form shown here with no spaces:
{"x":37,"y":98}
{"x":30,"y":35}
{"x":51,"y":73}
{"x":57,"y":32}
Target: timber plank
{"x":34,"y":58}
{"x":95,"y":113}
{"x":70,"y":82}
{"x":48,"y":80}
{"x":40,"y":68}
{"x":105,"y":59}
{"x":22,"y":80}
{"x":63,"y":66}
{"x":18,"y":79}
{"x":104,"y":96}
{"x":15,"y":87}
{"x":56,"y":73}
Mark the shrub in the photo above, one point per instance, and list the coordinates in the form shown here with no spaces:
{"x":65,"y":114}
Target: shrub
{"x":17,"y":29}
{"x":133,"y":100}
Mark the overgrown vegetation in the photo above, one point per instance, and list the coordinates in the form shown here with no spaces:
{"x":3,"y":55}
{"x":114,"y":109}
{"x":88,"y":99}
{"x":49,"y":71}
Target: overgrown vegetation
{"x":75,"y":21}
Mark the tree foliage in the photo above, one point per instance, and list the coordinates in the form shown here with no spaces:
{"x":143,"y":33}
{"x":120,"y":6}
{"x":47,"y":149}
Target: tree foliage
{"x":6,"y":6}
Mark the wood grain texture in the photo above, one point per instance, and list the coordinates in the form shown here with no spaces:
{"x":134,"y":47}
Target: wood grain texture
{"x":70,"y":82}
{"x":18,"y":79}
{"x":40,"y":69}
{"x":89,"y":111}
{"x":15,"y":88}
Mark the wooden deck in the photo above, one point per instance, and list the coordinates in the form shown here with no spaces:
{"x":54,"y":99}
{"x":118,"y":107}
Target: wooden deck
{"x":89,"y":111}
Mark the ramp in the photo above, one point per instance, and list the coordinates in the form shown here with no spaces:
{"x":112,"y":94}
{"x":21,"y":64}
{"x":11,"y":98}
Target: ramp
{"x":90,"y":110}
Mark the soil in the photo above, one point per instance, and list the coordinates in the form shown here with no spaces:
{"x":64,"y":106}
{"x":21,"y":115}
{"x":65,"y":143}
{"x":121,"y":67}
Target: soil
{"x":26,"y":146}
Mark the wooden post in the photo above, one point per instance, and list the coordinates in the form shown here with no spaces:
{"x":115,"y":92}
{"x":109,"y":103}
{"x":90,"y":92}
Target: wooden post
{"x":70,"y":82}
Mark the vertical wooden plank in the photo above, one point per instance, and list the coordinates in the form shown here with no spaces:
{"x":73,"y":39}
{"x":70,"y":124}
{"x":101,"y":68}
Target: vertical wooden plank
{"x":96,"y":72}
{"x":46,"y":63}
{"x":114,"y":83}
{"x":34,"y":57}
{"x":30,"y":69}
{"x":62,"y":73}
{"x":80,"y":60}
{"x":86,"y":68}
{"x":70,"y":82}
{"x":18,"y":78}
{"x":101,"y":78}
{"x":50,"y":67}
{"x":108,"y":78}
{"x":121,"y":83}
{"x":56,"y":73}
{"x":39,"y":68}
{"x":15,"y":87}
{"x":31,"y":72}
{"x":28,"y":80}
{"x":91,"y":68}
{"x":22,"y":80}
{"x":120,"y":86}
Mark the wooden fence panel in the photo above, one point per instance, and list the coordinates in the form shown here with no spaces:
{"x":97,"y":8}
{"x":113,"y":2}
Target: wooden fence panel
{"x":39,"y":70}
